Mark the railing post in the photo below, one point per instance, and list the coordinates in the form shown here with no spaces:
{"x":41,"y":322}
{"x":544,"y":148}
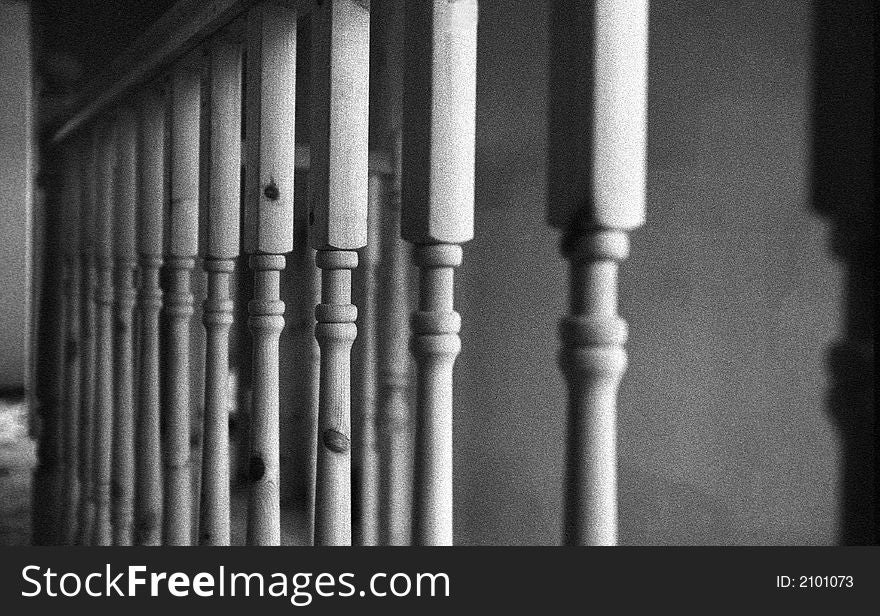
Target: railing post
{"x":597,"y":131}
{"x":150,"y":216}
{"x":437,"y":216}
{"x":88,"y":265}
{"x":124,"y":248}
{"x":104,"y":403}
{"x":70,"y":390}
{"x":338,"y":227}
{"x":393,"y":421}
{"x":181,"y":248}
{"x":269,"y":178}
{"x":221,"y":221}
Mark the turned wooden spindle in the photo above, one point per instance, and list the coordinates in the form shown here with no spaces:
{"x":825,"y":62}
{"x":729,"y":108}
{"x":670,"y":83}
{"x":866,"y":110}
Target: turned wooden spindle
{"x":104,"y":403}
{"x":125,"y":185}
{"x":339,"y":107}
{"x":393,"y":421}
{"x":437,"y":216}
{"x":271,"y":97}
{"x":364,"y":381}
{"x":596,"y":176}
{"x":150,"y":216}
{"x":221,"y":222}
{"x":181,"y":248}
{"x":89,"y":273}
{"x":70,"y":388}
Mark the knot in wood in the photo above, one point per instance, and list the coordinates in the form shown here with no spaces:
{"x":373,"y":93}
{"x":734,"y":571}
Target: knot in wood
{"x":271,"y":191}
{"x":336,"y":441}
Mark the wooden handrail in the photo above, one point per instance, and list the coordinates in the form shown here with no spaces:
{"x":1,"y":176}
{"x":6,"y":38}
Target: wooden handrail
{"x":176,"y":33}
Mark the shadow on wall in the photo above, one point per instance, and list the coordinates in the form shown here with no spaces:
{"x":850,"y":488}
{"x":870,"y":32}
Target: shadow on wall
{"x":843,"y":190}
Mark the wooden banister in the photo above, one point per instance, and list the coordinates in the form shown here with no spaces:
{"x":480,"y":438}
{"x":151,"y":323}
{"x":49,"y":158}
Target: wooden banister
{"x":268,"y":229}
{"x":339,"y":106}
{"x":150,"y":217}
{"x":597,"y":131}
{"x":181,"y":248}
{"x":103,"y":530}
{"x":221,"y":222}
{"x":125,"y":198}
{"x":437,"y":216}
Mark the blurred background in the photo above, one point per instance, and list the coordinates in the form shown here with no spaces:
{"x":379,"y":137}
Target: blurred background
{"x":746,"y":414}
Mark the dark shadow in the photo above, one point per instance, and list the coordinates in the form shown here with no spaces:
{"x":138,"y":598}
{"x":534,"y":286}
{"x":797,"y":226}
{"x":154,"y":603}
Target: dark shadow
{"x":843,"y":191}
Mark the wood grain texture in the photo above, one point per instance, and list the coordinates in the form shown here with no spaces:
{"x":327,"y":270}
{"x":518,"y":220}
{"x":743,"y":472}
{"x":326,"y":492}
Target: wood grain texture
{"x":150,"y":217}
{"x":598,"y":109}
{"x":439,"y":104}
{"x":266,"y":322}
{"x":125,"y":198}
{"x":103,"y":534}
{"x":339,"y":139}
{"x":335,"y":331}
{"x":271,"y":101}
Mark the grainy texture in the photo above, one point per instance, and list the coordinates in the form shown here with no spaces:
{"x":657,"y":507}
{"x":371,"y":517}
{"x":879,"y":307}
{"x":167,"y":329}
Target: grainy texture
{"x":435,"y":345}
{"x":596,"y":175}
{"x":70,"y":384}
{"x":148,"y":456}
{"x":598,"y":110}
{"x":437,"y":185}
{"x":339,"y":106}
{"x":364,"y":380}
{"x":102,"y":532}
{"x":88,"y":340}
{"x":266,"y":322}
{"x":181,"y":245}
{"x":125,"y":193}
{"x":393,"y":415}
{"x":335,"y":331}
{"x":439,"y":121}
{"x":268,"y":232}
{"x":271,"y":98}
{"x":222,"y":221}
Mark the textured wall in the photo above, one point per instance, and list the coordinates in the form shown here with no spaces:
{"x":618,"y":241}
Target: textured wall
{"x":731,"y":294}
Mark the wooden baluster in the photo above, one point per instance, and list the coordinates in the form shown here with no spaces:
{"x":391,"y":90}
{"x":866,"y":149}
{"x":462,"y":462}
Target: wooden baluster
{"x":598,"y":98}
{"x":271,"y":96}
{"x":364,"y":380}
{"x":338,"y":227}
{"x":181,"y":248}
{"x":125,"y":193}
{"x":437,"y":216}
{"x":150,"y":216}
{"x":394,"y":417}
{"x":88,"y":339}
{"x":70,"y":388}
{"x":104,"y":403}
{"x":221,"y":222}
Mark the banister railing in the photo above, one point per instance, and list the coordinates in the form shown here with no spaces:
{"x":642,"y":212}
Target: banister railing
{"x":186,"y":157}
